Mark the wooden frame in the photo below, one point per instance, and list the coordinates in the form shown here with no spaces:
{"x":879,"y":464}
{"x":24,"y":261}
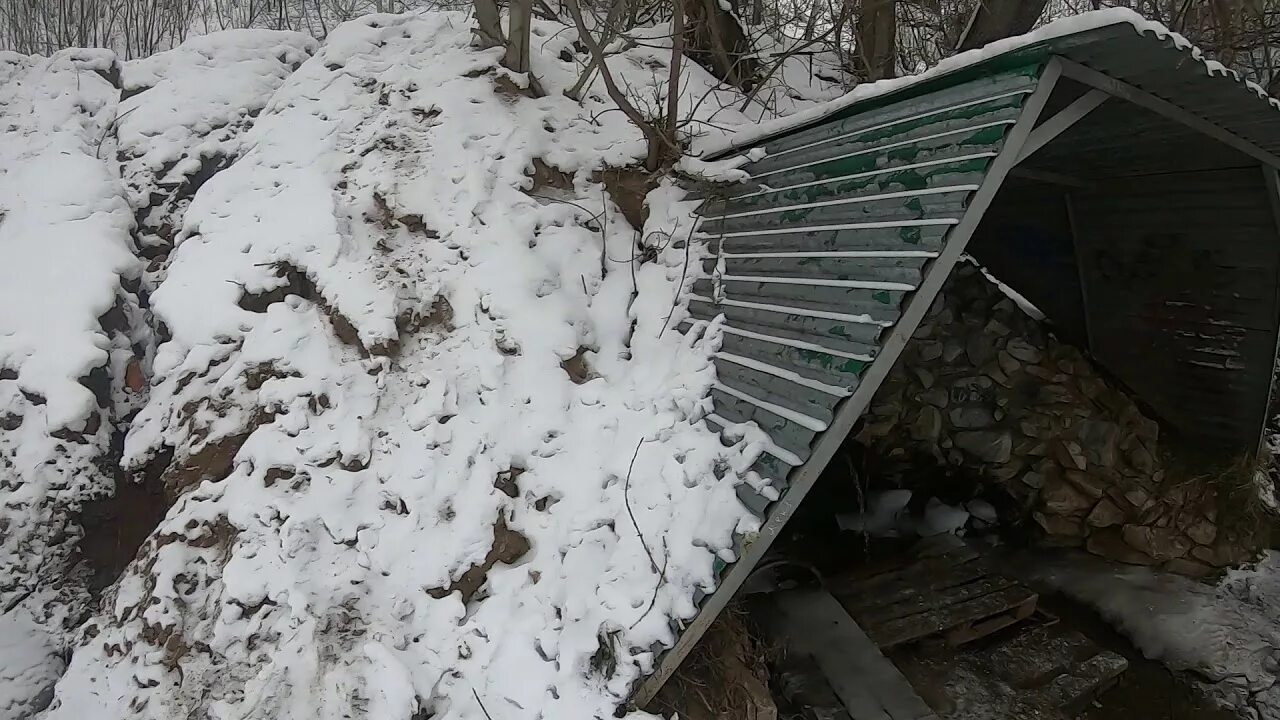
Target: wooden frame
{"x":847,"y":414}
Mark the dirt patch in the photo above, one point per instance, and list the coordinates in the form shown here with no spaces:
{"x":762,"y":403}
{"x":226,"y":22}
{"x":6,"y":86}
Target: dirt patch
{"x":628,"y":187}
{"x":508,"y":547}
{"x":298,"y":283}
{"x":724,"y":677}
{"x":115,"y":527}
{"x":577,"y":368}
{"x":544,"y":176}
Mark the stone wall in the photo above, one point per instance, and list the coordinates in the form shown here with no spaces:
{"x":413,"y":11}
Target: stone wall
{"x":988,"y":392}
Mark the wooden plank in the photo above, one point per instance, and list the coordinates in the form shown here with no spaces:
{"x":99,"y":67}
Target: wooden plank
{"x":920,"y":600}
{"x":871,"y":688}
{"x":928,"y":576}
{"x":987,"y":613}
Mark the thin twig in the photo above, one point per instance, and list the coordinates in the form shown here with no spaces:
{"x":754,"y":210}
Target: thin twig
{"x":662,"y":579}
{"x":626,"y":498}
{"x":684,"y":271}
{"x":483,"y":709}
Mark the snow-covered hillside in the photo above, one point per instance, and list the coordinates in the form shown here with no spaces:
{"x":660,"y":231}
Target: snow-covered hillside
{"x":397,"y":360}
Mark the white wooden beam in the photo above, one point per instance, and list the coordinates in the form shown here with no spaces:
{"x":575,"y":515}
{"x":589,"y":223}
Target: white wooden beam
{"x":1129,"y":93}
{"x":1063,"y":119}
{"x":848,"y":412}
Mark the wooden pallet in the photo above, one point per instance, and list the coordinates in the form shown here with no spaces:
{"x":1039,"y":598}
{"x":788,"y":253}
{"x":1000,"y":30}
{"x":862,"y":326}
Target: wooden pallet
{"x":814,"y":625}
{"x":947,"y":589}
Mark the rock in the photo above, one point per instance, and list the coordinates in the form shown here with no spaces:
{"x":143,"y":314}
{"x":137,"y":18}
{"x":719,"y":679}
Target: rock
{"x":1189,"y":568}
{"x":1033,"y":479}
{"x":1033,"y":429}
{"x":1138,"y":498}
{"x":1141,"y":459}
{"x":1203,"y":532}
{"x":1050,"y":394}
{"x":924,"y":330}
{"x":1090,"y":485}
{"x":995,"y":373}
{"x":936,"y":397}
{"x":1060,"y":497}
{"x":951,"y":352}
{"x":1058,"y":525}
{"x":971,"y":417}
{"x":994,"y":446}
{"x":924,"y":376}
{"x":1106,"y":514}
{"x":1023,"y":350}
{"x":1101,"y":440}
{"x":1008,"y":364}
{"x":1007,"y":471}
{"x":1222,"y":554}
{"x":1109,"y":544}
{"x":1160,"y":543}
{"x":997,"y":328}
{"x":1069,"y":455}
{"x":979,"y":349}
{"x":928,"y":424}
{"x":929,"y":351}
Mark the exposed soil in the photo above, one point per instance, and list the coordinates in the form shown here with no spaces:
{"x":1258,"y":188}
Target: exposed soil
{"x":115,"y":527}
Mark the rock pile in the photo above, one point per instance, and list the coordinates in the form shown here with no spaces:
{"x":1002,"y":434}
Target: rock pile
{"x":986,"y":389}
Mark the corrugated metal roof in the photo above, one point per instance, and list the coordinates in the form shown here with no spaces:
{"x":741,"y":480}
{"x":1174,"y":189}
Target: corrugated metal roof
{"x":815,"y":256}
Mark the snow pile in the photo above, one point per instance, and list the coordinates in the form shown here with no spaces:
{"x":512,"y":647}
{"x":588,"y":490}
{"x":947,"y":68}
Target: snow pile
{"x":1228,"y":634}
{"x":182,"y":118}
{"x":64,"y":231}
{"x":432,"y":452}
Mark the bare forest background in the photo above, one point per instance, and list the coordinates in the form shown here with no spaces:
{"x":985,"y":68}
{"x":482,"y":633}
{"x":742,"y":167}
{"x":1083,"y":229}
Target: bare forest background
{"x":743,"y":43}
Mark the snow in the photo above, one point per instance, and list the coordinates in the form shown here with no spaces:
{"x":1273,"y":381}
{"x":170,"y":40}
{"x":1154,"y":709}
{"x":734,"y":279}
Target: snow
{"x":184,"y":115}
{"x":1227,"y":634}
{"x":64,"y":228}
{"x":715,"y":143}
{"x":63,"y":225}
{"x":30,"y":662}
{"x":400,"y":425}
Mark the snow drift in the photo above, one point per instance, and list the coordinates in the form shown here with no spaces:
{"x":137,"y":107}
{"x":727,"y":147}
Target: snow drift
{"x":429,"y":448}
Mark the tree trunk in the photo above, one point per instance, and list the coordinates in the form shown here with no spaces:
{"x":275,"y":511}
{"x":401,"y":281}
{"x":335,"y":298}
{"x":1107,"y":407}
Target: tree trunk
{"x":517,"y":59}
{"x":998,"y":19}
{"x":877,"y":31}
{"x":489,"y":24}
{"x":714,"y":39}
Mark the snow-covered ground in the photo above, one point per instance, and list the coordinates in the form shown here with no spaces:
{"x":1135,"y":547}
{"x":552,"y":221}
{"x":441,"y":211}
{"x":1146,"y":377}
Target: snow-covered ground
{"x":433,"y":453}
{"x":64,"y":237}
{"x":1227,"y":634}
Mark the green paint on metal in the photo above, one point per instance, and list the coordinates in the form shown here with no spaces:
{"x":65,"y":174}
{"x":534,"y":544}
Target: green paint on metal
{"x":833,"y":363}
{"x":915,"y":205}
{"x":910,"y":235}
{"x":881,"y":296}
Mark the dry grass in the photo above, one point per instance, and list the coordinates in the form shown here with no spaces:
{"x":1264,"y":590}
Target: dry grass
{"x":724,"y":678}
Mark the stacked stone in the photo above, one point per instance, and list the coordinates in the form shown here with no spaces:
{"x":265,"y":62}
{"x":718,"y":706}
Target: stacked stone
{"x":987,"y":390}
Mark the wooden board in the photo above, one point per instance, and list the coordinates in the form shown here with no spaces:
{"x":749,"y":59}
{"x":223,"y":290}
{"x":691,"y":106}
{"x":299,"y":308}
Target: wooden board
{"x":947,"y":589}
{"x":813,"y":623}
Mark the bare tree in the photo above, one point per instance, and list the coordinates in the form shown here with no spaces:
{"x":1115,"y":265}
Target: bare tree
{"x":877,"y":30}
{"x":993,"y":20}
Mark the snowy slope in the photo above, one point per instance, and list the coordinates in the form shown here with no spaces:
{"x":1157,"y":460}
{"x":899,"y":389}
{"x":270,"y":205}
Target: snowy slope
{"x":64,"y":236}
{"x":182,"y":118}
{"x":433,"y":454}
